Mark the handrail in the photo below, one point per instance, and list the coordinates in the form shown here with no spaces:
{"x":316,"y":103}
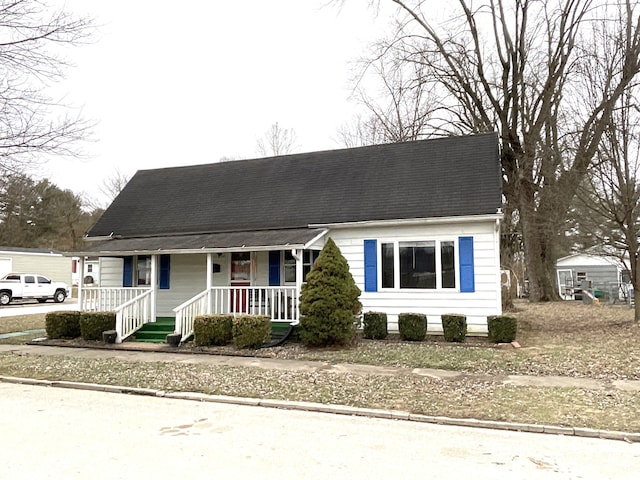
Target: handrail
{"x":278,"y":302}
{"x":187,"y":311}
{"x":131,"y":315}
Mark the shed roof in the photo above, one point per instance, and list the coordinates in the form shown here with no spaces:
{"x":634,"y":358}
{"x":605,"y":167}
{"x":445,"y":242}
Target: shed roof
{"x":422,"y":179}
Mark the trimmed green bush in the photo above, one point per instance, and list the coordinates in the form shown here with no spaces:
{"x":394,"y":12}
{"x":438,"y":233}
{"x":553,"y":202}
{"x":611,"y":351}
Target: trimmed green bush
{"x":92,"y":324}
{"x":412,"y":326}
{"x":212,"y":330}
{"x":329,"y":305}
{"x":375,"y":325}
{"x":251,"y":331}
{"x":502,"y":328}
{"x":62,"y":324}
{"x":454,"y":327}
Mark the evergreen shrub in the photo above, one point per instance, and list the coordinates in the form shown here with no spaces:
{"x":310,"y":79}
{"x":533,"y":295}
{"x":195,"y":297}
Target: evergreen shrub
{"x":502,"y":328}
{"x":212,"y":330}
{"x":412,"y":326}
{"x":329,"y":305}
{"x":62,"y":324}
{"x":375,"y":325}
{"x":92,"y":324}
{"x":251,"y":331}
{"x":454,"y":327}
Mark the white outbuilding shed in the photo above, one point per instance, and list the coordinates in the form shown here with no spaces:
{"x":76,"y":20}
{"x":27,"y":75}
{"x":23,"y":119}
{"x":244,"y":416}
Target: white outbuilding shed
{"x":604,"y":274}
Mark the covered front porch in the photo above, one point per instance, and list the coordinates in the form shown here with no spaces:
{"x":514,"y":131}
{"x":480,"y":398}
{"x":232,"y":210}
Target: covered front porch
{"x":162,"y":281}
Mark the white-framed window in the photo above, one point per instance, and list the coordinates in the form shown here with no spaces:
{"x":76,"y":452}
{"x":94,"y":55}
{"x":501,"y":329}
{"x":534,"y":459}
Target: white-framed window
{"x":418,"y":264}
{"x":289,"y":265}
{"x":143,"y":270}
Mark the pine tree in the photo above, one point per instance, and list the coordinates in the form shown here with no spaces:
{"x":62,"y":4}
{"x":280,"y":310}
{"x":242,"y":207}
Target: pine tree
{"x":329,"y":301}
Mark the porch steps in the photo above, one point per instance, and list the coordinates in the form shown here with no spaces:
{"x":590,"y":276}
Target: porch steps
{"x":279,"y":330}
{"x":156,"y":332}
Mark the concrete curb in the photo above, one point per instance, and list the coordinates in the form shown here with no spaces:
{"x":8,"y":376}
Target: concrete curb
{"x":336,"y":409}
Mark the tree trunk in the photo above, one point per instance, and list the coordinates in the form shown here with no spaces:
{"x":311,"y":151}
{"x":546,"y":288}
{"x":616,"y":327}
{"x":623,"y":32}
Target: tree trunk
{"x":539,"y":261}
{"x":635,"y":275}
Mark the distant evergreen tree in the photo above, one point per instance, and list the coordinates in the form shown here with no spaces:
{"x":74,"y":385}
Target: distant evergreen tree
{"x":329,"y":301}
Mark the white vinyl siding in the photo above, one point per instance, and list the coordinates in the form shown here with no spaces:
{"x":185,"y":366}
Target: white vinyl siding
{"x":188,"y":277}
{"x":111,"y":271}
{"x":477,"y":305}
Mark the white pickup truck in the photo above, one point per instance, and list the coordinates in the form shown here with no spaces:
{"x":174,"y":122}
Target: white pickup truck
{"x":18,"y":286}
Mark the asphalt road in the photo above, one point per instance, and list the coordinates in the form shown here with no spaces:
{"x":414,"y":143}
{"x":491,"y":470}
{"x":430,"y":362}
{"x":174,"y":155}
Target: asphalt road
{"x":28,"y":307}
{"x":53,"y":433}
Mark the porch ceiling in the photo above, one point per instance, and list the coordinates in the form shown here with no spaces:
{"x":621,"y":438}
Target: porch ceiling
{"x":206,"y":242}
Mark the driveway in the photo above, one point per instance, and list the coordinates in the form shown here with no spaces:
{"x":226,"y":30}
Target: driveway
{"x":30,"y":307}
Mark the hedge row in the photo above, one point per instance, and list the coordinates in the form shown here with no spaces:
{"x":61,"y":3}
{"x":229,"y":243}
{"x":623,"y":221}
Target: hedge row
{"x":413,"y":327}
{"x":72,"y":324}
{"x":244,"y":331}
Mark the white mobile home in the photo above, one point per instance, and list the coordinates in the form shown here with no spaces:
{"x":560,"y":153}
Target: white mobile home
{"x":50,"y":263}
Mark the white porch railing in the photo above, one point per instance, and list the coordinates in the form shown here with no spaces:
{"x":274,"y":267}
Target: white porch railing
{"x":99,"y":299}
{"x":279,"y":303}
{"x":131,"y":315}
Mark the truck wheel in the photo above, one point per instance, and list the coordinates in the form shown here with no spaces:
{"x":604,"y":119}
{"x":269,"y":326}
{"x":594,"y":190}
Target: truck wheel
{"x":5,"y":298}
{"x":59,"y":296}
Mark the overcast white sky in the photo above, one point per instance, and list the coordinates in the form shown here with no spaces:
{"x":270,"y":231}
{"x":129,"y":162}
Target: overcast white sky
{"x":180,"y":83}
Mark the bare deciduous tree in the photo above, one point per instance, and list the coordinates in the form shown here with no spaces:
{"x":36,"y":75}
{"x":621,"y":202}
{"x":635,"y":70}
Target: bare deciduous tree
{"x":518,"y":68}
{"x":610,"y":197}
{"x":31,"y":37}
{"x":277,"y":141}
{"x":399,"y":108}
{"x":113,"y":185}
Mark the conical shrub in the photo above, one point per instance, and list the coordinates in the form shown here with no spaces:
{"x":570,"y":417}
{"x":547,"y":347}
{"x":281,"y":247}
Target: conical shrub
{"x":329,"y":303}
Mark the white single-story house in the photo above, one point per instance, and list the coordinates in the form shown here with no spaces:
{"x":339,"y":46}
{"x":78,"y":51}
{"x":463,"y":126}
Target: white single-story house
{"x":418,"y":222}
{"x":42,"y":261}
{"x":89,"y":274}
{"x":601,"y":273}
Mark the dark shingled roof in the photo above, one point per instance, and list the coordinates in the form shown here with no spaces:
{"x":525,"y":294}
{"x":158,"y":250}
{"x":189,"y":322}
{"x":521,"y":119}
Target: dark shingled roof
{"x":423,"y":179}
{"x":208,"y":241}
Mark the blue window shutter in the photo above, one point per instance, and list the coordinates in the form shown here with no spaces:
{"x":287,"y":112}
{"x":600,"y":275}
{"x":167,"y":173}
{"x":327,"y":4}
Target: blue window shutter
{"x":314,"y":256}
{"x":127,"y":272}
{"x":370,"y":266}
{"x":274,"y":268}
{"x":165,"y":269}
{"x":467,"y":277}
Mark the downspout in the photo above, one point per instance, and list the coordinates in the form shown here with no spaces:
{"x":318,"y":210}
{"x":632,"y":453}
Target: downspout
{"x":297,"y":254}
{"x":81,"y":281}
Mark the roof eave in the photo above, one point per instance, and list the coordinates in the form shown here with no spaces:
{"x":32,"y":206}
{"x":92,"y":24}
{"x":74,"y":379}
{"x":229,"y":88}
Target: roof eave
{"x":493,"y":217}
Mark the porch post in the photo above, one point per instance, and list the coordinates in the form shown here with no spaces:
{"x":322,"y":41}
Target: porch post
{"x":298,"y":255}
{"x":154,"y":286}
{"x":80,"y":280}
{"x":209,"y":280}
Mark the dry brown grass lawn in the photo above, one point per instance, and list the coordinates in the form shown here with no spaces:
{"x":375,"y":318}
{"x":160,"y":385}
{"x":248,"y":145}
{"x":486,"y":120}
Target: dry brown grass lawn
{"x":557,"y":338}
{"x":565,"y":338}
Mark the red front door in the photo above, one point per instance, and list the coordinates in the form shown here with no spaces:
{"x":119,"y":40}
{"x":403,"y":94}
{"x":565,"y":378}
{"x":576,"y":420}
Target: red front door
{"x":240,"y":277}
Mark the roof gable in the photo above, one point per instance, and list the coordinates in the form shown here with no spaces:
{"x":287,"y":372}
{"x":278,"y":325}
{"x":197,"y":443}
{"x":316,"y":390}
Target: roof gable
{"x":422,"y":179}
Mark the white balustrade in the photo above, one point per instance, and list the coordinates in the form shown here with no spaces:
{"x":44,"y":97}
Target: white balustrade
{"x":101,"y":299}
{"x":134,"y":313}
{"x":278,"y":303}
